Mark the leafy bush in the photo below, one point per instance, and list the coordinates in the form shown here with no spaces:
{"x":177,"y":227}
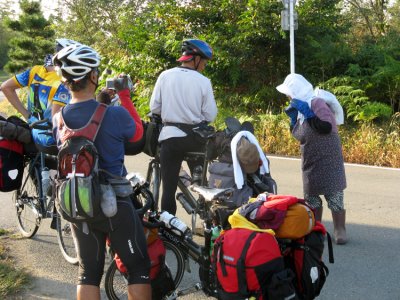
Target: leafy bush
{"x":356,"y":104}
{"x":374,"y":111}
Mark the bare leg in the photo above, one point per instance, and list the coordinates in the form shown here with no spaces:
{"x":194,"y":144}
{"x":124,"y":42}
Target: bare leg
{"x":87,"y":292}
{"x":139,"y":292}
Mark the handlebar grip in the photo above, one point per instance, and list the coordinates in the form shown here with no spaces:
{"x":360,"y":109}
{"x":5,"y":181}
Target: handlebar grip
{"x":148,"y":198}
{"x":152,"y":225}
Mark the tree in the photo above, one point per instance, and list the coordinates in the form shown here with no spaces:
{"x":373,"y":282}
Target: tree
{"x":5,"y":37}
{"x":368,"y":17}
{"x":33,"y":37}
{"x":143,"y":38}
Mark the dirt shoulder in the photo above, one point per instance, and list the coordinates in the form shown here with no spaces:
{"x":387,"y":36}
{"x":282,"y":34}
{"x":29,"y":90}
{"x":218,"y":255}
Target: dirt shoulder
{"x":49,"y":274}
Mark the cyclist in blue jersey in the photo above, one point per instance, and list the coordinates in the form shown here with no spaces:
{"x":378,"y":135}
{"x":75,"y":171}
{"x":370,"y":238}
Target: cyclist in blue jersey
{"x":46,"y":94}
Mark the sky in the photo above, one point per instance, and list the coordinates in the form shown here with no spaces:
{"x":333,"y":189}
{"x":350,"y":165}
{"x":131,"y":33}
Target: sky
{"x":48,"y":6}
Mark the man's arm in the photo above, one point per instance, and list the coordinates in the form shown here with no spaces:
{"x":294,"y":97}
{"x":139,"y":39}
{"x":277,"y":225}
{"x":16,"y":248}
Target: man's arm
{"x":126,"y":102}
{"x":9,"y":88}
{"x":155,"y":100}
{"x":55,"y":108}
{"x":209,"y":107}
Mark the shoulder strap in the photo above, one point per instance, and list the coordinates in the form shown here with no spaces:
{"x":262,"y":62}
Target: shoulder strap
{"x":241,"y":266}
{"x":95,"y":121}
{"x":89,"y":131}
{"x":36,"y":101}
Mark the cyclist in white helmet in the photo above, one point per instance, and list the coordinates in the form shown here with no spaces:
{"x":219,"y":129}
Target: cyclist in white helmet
{"x":79,"y":67}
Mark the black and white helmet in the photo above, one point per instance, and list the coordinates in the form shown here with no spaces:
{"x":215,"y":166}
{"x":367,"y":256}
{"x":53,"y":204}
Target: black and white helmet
{"x":62,"y":43}
{"x":77,"y":60}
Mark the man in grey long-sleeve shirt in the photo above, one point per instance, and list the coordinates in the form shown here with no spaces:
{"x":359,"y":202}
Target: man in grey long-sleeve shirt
{"x":184,"y":98}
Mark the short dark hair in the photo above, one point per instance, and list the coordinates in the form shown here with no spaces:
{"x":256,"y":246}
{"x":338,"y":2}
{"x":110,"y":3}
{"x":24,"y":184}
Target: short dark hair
{"x":75,"y":86}
{"x":103,"y":97}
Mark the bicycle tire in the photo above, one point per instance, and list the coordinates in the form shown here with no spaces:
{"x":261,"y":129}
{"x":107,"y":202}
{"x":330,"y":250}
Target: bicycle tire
{"x":66,"y":241}
{"x":115,"y":282}
{"x":27,"y":202}
{"x":175,"y":261}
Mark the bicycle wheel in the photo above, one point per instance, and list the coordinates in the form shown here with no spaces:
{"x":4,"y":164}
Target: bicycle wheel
{"x":154,"y":180}
{"x":175,"y":261}
{"x":66,"y":241}
{"x":27,"y":202}
{"x":115,"y":282}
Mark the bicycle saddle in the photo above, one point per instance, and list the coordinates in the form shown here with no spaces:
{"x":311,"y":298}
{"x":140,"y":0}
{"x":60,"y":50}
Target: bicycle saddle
{"x":232,"y":126}
{"x":210,"y":194}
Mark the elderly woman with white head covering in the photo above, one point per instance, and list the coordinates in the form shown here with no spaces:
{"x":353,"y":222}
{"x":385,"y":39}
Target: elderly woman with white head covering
{"x":314,"y":125}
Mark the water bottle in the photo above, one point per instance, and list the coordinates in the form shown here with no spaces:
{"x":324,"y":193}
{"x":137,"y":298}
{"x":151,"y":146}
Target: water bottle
{"x":108,"y":201}
{"x":197,"y":175}
{"x":215,"y":233}
{"x":45,"y":180}
{"x":172,"y":222}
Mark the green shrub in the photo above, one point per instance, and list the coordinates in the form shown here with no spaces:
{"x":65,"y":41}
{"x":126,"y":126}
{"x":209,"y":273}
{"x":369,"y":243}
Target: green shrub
{"x":374,"y":111}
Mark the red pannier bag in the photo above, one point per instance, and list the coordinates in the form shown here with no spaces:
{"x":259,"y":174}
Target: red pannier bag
{"x":248,"y":264}
{"x":156,"y":251}
{"x":11,"y":164}
{"x":162,"y":282}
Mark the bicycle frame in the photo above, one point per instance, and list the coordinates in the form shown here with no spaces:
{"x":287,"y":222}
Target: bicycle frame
{"x":194,"y":205}
{"x":33,"y":162}
{"x":198,"y":253}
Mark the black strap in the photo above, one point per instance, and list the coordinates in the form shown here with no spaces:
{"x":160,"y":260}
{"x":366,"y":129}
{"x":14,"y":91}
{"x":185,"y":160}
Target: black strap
{"x":221,"y":257}
{"x":186,"y":128}
{"x":36,"y":101}
{"x":241,"y":266}
{"x":330,"y":248}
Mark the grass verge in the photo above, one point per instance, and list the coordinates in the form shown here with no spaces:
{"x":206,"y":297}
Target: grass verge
{"x":12,"y":279}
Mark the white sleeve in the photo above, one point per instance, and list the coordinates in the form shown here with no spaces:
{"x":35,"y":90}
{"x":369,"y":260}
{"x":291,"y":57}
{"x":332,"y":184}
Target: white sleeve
{"x":209,"y":107}
{"x":155,"y":100}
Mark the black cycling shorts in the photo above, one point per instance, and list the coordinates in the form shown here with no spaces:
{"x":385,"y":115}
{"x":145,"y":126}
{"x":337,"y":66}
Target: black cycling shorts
{"x":126,"y":234}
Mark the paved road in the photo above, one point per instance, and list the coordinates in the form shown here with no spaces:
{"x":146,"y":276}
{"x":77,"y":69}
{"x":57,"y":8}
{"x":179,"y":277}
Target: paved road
{"x":366,"y":268}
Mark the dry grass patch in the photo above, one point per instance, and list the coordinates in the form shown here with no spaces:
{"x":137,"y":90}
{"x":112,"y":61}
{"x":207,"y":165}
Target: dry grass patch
{"x":367,"y":144}
{"x":12,"y":280}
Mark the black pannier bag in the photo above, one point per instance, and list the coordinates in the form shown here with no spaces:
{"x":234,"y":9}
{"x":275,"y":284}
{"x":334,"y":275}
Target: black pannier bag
{"x":11,"y":164}
{"x":152,"y":132}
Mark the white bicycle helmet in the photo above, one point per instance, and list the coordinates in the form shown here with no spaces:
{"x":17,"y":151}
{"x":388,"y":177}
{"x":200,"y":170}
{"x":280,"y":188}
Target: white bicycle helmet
{"x":77,"y":60}
{"x":62,"y":43}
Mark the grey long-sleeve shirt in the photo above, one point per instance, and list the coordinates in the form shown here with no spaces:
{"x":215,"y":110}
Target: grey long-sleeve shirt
{"x":182,"y":95}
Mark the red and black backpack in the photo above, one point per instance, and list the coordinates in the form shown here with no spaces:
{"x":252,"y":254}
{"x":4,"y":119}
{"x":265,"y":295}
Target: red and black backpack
{"x":78,"y":179}
{"x":304,"y":257}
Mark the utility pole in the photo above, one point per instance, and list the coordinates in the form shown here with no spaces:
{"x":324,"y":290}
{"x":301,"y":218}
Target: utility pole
{"x":289,"y":22}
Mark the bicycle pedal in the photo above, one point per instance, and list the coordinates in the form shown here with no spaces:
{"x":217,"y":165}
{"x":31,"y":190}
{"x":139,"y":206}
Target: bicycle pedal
{"x":53,"y":224}
{"x":187,"y":264}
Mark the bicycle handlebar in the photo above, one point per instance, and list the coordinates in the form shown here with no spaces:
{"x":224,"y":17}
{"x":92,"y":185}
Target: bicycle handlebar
{"x":39,"y":125}
{"x":142,"y":189}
